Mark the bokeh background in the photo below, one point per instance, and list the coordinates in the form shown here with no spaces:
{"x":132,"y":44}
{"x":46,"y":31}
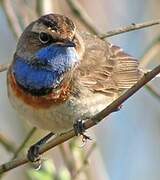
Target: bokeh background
{"x":127,"y":143}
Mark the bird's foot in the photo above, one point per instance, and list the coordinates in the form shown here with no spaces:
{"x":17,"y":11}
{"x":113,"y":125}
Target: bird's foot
{"x":34,"y":156}
{"x":34,"y":151}
{"x":79,"y":129}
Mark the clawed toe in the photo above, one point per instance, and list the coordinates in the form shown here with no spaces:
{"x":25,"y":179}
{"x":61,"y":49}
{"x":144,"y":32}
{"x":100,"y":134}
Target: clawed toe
{"x":79,"y":129}
{"x":34,"y":156}
{"x":33,"y":153}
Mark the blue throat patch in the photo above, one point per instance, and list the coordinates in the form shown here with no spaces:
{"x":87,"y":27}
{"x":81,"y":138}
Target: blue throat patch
{"x":57,"y":59}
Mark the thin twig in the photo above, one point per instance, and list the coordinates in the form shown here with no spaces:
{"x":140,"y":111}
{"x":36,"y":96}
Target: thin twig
{"x":85,"y":19}
{"x":7,"y":143}
{"x":79,"y":11}
{"x":4,"y":67}
{"x":17,"y":152}
{"x":107,"y":111}
{"x":114,"y":32}
{"x":11,"y":17}
{"x":89,"y":123}
{"x":153,"y":91}
{"x":39,"y":7}
{"x":150,"y":54}
{"x":85,"y":161}
{"x":25,"y":12}
{"x":27,"y":138}
{"x":68,"y":160}
{"x":131,"y":27}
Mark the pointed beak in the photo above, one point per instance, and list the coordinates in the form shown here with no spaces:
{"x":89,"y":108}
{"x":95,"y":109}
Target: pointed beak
{"x":66,"y":43}
{"x":69,"y":44}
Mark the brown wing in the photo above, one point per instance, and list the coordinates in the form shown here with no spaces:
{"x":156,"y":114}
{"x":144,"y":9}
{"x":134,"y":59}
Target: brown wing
{"x":106,"y":68}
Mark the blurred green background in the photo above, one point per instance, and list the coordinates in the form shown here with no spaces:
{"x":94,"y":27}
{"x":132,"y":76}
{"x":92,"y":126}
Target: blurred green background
{"x":128,"y":146}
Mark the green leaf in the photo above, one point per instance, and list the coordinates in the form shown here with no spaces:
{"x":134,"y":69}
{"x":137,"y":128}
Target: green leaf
{"x":47,"y":172}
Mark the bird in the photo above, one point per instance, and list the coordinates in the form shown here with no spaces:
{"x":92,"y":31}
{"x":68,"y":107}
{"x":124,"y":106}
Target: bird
{"x":60,"y":76}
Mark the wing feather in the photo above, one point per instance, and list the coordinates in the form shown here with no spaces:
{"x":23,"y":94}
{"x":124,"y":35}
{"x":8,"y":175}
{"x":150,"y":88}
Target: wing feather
{"x":106,"y":68}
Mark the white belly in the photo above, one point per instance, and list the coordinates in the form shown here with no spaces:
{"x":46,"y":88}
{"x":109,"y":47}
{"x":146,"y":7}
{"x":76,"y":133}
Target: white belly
{"x":60,"y":118}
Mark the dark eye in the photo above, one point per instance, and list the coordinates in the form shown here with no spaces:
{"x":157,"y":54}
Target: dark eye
{"x":44,"y":37}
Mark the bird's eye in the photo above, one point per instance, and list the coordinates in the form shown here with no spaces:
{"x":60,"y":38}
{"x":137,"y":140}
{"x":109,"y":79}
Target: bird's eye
{"x":44,"y":37}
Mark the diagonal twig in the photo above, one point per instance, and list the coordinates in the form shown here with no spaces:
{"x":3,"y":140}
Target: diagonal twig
{"x":79,"y":11}
{"x":7,"y":143}
{"x":99,"y":116}
{"x":146,"y":59}
{"x":153,"y":91}
{"x":68,"y":160}
{"x":85,"y":161}
{"x":85,"y":19}
{"x":17,"y":151}
{"x":111,"y":33}
{"x":150,"y":54}
{"x":4,"y":67}
{"x":27,"y":138}
{"x":89,"y":123}
{"x":12,"y":18}
{"x":131,"y":27}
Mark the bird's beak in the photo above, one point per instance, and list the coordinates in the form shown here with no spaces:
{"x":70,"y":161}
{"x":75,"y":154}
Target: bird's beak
{"x":69,"y":44}
{"x":66,"y":43}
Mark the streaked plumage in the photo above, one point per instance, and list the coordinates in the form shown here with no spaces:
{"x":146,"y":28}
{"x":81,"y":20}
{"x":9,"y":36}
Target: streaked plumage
{"x":54,"y":84}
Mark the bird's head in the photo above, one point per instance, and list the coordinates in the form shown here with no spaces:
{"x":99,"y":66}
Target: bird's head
{"x":48,"y":50}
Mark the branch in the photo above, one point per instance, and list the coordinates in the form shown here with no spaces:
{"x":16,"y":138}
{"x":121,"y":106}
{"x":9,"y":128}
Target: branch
{"x":85,"y":19}
{"x":131,"y":27}
{"x":29,"y":135}
{"x":12,"y":18}
{"x":153,"y":91}
{"x":79,"y":11}
{"x":150,"y":54}
{"x":17,"y":151}
{"x":90,"y":122}
{"x":110,"y":108}
{"x":7,"y":143}
{"x":68,"y":160}
{"x":112,"y":33}
{"x":85,"y":161}
{"x":4,"y":67}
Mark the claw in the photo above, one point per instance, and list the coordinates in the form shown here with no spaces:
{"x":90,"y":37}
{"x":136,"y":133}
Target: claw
{"x":33,"y":153}
{"x":85,"y":138}
{"x":79,"y":129}
{"x":34,"y":156}
{"x":37,"y":164}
